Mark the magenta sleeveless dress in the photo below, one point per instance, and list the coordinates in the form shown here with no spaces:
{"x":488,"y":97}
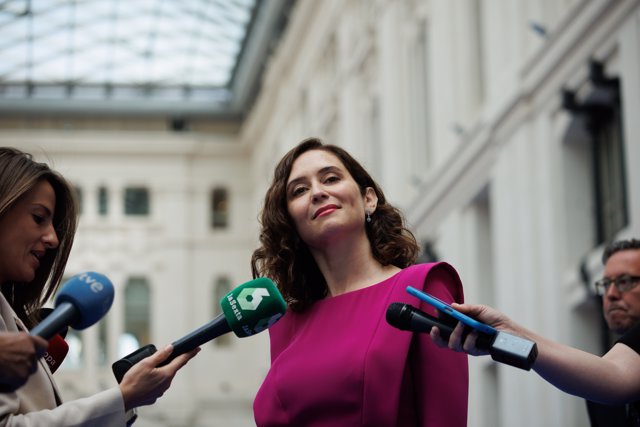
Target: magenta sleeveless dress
{"x":340,"y":364}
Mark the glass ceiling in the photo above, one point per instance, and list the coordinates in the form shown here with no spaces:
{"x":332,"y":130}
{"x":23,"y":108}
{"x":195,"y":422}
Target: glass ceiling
{"x":101,"y":50}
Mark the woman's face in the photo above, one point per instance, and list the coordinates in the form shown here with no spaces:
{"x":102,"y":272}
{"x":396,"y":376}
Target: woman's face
{"x":26,"y":232}
{"x":324,"y":200}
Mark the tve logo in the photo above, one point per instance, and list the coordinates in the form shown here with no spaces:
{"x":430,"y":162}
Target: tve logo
{"x":90,"y":279}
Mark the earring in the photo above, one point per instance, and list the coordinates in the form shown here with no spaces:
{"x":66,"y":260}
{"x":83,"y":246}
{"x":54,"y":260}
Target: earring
{"x":368,"y":212}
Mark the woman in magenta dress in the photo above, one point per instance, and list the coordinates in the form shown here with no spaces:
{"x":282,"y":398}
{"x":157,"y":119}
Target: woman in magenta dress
{"x":340,"y":255}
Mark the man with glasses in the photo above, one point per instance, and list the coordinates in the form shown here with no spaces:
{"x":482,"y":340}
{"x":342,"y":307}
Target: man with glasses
{"x":620,"y":292}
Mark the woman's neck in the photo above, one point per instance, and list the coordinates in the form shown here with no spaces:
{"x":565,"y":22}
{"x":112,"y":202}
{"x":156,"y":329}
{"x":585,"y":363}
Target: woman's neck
{"x":351,"y":266}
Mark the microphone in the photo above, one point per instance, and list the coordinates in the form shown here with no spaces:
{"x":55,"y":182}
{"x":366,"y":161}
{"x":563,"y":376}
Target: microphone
{"x":80,"y":303}
{"x":408,"y":318}
{"x":247,"y":310}
{"x":43,"y":312}
{"x":503,"y":347}
{"x":58,"y":347}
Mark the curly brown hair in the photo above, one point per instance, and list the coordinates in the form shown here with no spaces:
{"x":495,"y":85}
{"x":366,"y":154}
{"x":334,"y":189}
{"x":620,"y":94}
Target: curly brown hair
{"x":286,"y":259}
{"x":19,"y":173}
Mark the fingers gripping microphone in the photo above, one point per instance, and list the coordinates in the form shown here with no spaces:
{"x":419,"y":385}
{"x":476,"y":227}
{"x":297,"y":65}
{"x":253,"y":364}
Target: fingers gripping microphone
{"x":247,"y":310}
{"x":80,"y":303}
{"x":409,"y":318}
{"x":503,"y":347}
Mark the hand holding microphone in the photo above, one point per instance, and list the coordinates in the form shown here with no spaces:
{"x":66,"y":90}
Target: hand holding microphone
{"x":149,"y":379}
{"x":409,"y":318}
{"x":502,"y":346}
{"x":247,"y":310}
{"x":19,"y":353}
{"x":80,"y":303}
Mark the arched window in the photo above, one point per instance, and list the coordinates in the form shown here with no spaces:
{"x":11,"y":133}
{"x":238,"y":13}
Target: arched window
{"x":137,"y":316}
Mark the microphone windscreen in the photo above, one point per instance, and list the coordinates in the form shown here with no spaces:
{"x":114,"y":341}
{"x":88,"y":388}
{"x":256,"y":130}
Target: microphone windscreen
{"x":253,"y":307}
{"x":398,"y":316}
{"x":56,"y":352}
{"x":91,"y":294}
{"x":408,"y":318}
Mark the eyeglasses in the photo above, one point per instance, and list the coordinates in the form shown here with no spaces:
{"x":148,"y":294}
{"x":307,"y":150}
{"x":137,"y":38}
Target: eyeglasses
{"x":622,"y":283}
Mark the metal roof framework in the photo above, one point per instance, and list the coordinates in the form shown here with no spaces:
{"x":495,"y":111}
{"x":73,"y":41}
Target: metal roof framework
{"x":146,"y":57}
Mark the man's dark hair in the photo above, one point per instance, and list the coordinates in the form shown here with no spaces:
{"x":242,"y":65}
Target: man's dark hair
{"x":617,"y":246}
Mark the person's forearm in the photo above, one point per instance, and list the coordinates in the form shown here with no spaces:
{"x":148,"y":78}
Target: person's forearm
{"x":613,"y":378}
{"x":606,"y":380}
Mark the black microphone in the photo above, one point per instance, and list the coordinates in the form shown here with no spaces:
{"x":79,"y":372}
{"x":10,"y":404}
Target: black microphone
{"x":408,"y":318}
{"x":503,"y":347}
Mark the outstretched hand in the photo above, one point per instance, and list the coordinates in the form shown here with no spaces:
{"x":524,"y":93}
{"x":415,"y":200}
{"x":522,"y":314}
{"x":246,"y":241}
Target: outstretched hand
{"x":145,"y":382}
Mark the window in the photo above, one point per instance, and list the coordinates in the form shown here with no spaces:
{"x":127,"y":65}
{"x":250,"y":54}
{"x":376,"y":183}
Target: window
{"x":137,"y":311}
{"x":136,"y":201}
{"x":103,"y":201}
{"x":219,"y":208}
{"x":609,"y":176}
{"x":601,"y":121}
{"x":221,"y":288}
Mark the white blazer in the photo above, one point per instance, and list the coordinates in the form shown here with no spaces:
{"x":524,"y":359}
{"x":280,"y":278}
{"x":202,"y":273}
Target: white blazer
{"x":38,"y":402}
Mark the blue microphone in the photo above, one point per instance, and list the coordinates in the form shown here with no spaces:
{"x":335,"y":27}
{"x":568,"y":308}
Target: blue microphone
{"x":80,"y":303}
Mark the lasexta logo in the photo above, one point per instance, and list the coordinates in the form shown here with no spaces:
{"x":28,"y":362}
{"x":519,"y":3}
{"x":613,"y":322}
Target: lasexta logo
{"x":250,"y":298}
